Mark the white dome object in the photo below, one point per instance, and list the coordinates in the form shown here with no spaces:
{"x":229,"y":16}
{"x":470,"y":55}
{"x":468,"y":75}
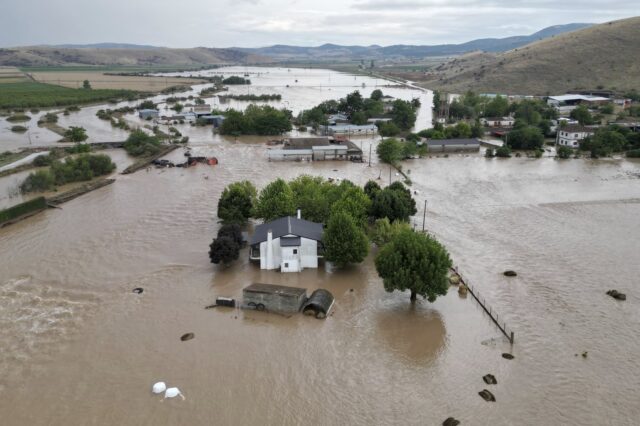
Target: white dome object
{"x":172,"y":393}
{"x":159,"y":387}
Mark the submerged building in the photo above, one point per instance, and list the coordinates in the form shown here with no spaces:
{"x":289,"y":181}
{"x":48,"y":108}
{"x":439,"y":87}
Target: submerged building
{"x":316,"y":149}
{"x":290,"y":244}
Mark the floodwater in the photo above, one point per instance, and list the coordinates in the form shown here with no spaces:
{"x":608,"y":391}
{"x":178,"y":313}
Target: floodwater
{"x":78,"y":347}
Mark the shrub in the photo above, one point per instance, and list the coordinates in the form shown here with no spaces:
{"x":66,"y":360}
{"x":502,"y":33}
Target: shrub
{"x":634,"y":153}
{"x":564,"y":152}
{"x":18,"y":117}
{"x":38,"y":181}
{"x":503,"y":151}
{"x":18,"y":129}
{"x":76,"y":134}
{"x":14,"y":212}
{"x":140,"y":144}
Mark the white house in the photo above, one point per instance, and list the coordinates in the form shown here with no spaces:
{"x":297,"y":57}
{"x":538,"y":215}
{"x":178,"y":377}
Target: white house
{"x":498,"y":121}
{"x":289,"y":244}
{"x":572,"y":135}
{"x":567,"y":103}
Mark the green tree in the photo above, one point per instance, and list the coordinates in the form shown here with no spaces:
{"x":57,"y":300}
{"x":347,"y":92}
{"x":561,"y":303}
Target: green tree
{"x":371,"y":188}
{"x":385,"y":231}
{"x":275,"y":201}
{"x":352,"y":103}
{"x":376,"y":95}
{"x":178,"y":107}
{"x":141,"y":144}
{"x":394,"y":203}
{"x":496,"y":107}
{"x":403,"y":114}
{"x":389,"y":151}
{"x":604,"y":142}
{"x":232,"y":231}
{"x":564,"y":152}
{"x":503,"y":152}
{"x":310,"y":196}
{"x":582,"y":114}
{"x":345,"y":242}
{"x":224,"y":250}
{"x":86,"y":85}
{"x":356,"y":204}
{"x":415,"y":262}
{"x":146,"y":105}
{"x":76,"y":134}
{"x":528,"y":137}
{"x":236,"y":202}
{"x":387,"y":128}
{"x":359,"y":118}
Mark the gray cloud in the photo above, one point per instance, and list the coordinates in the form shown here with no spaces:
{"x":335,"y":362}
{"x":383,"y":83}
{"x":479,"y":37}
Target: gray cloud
{"x":223,"y":23}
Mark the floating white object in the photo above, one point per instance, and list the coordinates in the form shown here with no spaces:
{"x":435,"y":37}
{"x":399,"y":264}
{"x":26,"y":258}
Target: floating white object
{"x":172,"y":393}
{"x":159,"y":387}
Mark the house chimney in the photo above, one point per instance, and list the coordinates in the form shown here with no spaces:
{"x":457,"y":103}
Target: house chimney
{"x":299,"y":214}
{"x":269,"y":257}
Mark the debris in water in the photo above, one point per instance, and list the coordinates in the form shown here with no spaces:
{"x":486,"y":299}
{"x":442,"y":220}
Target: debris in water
{"x":507,"y":356}
{"x":510,"y":273}
{"x":159,"y":387}
{"x":487,"y":396}
{"x":584,"y":354}
{"x":187,"y":336}
{"x":138,"y":290}
{"x":490,"y":379}
{"x":451,"y":422}
{"x":617,"y":295}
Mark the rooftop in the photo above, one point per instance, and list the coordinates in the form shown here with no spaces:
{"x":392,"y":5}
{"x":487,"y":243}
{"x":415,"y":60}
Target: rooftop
{"x":289,"y":225}
{"x":275,"y":289}
{"x":576,"y":128}
{"x":564,"y":98}
{"x":439,"y":142}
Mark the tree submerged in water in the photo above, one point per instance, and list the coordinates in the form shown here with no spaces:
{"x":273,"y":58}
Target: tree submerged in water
{"x":416,"y":262}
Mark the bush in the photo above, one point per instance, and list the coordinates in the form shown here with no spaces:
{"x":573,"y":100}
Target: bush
{"x":224,"y":250}
{"x":503,"y":151}
{"x":390,"y":151}
{"x":235,"y":80}
{"x":38,"y":181}
{"x":634,"y":153}
{"x":83,"y":168}
{"x":387,"y":128}
{"x":140,"y":144}
{"x":79,"y":148}
{"x":76,"y":134}
{"x":49,"y":118}
{"x":18,"y":129}
{"x":564,"y":152}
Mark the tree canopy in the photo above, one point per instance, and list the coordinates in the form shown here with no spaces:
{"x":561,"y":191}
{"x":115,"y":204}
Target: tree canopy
{"x":345,"y":242}
{"x":76,"y":134}
{"x":141,"y":144}
{"x":415,"y":262}
{"x":393,"y":202}
{"x":525,"y":137}
{"x":236,"y":202}
{"x":256,"y":120}
{"x":275,"y":201}
{"x":223,"y":250}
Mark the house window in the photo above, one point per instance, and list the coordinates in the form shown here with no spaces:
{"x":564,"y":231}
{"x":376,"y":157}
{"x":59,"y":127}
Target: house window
{"x":286,"y":265}
{"x":295,"y":251}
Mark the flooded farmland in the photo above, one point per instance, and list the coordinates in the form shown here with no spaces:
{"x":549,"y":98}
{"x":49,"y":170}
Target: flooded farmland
{"x":78,"y":347}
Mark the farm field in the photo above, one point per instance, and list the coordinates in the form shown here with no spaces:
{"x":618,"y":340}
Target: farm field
{"x":28,"y":94}
{"x":99,"y":80}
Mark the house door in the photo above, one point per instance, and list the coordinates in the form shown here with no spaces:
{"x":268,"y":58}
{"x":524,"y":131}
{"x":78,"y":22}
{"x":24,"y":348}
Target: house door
{"x":290,"y":265}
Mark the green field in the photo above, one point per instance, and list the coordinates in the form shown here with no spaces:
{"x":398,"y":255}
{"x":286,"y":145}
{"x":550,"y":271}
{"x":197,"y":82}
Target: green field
{"x":32,"y":94}
{"x":117,"y":69}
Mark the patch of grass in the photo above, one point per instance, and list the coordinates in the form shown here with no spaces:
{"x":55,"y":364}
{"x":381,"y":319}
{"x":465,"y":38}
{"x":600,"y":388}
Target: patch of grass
{"x":22,"y":209}
{"x":15,"y":118}
{"x":9,"y":157}
{"x":31,"y":94}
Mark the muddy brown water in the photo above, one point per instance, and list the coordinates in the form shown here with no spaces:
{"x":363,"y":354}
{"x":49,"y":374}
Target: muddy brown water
{"x":79,"y":347}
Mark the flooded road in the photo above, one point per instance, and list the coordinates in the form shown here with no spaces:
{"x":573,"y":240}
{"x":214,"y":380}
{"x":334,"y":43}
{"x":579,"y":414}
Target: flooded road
{"x":78,"y":347}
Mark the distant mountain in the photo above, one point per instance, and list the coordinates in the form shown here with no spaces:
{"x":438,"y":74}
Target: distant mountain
{"x":337,"y":52}
{"x":59,"y":56}
{"x":605,"y":56}
{"x":105,"y":46}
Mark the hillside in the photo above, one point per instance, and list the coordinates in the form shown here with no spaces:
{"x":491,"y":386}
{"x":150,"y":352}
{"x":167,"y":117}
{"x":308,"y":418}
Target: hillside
{"x":602,"y":56}
{"x":333,"y":52}
{"x":56,"y":56}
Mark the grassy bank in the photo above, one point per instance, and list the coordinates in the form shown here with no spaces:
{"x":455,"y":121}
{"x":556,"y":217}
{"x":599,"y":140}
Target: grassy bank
{"x":32,"y":94}
{"x":21,"y":211}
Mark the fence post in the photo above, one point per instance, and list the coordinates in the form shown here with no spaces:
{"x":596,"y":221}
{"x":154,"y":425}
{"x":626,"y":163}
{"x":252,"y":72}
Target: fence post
{"x":512,"y":337}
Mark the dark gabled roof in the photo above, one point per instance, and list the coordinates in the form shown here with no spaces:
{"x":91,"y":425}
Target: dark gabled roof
{"x":290,"y":242}
{"x":440,"y":142}
{"x":289,"y":225}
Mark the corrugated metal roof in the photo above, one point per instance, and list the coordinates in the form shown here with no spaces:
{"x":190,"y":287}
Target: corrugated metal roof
{"x":275,"y":289}
{"x":440,"y":142}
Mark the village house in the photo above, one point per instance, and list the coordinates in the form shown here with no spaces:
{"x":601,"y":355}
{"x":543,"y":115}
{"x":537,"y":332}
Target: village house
{"x":201,"y":110}
{"x":572,"y":135}
{"x":498,"y":121}
{"x":290,"y":244}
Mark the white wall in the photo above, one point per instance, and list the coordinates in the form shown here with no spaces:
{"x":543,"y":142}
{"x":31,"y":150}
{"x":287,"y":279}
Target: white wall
{"x":307,"y":256}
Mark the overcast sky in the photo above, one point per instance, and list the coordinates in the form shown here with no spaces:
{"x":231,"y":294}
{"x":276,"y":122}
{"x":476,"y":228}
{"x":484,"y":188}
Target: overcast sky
{"x":254,"y":23}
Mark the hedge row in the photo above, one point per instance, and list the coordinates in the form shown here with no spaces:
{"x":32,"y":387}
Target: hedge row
{"x":15,"y":212}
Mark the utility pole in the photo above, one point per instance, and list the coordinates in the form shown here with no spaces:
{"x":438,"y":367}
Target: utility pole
{"x":424,"y":214}
{"x":389,"y":175}
{"x":369,"y":155}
